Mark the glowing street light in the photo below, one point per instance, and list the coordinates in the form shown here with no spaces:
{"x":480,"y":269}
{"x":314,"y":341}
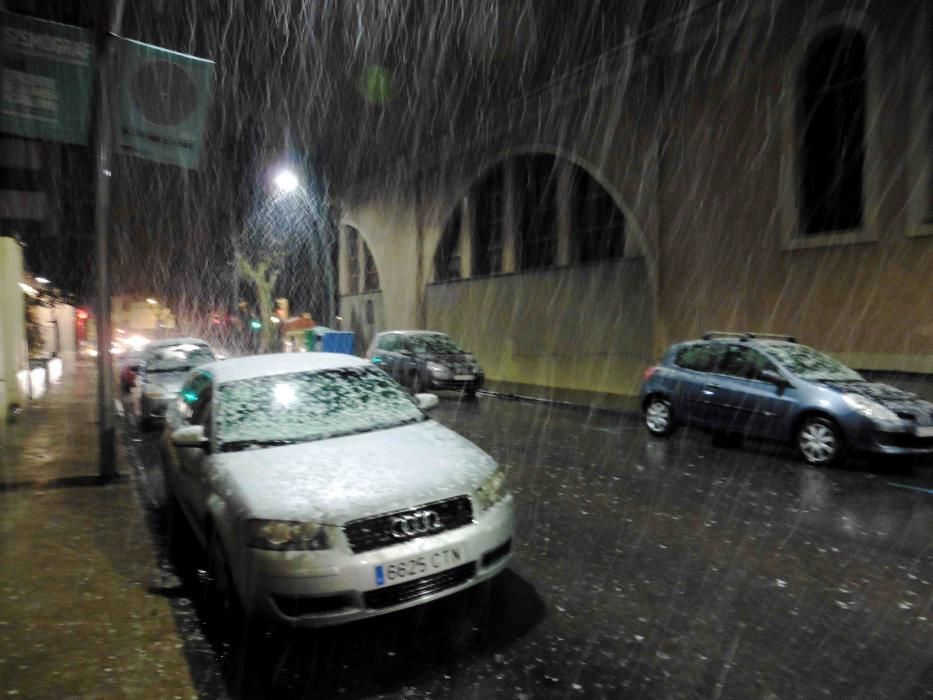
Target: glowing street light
{"x":42,"y":280}
{"x":150,"y":300}
{"x":286,"y":181}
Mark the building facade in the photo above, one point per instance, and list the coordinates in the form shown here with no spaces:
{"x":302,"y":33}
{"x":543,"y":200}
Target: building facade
{"x":758,"y":169}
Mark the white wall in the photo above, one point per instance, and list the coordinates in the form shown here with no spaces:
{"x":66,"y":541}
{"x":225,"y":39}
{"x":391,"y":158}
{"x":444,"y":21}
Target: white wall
{"x":12,"y":325}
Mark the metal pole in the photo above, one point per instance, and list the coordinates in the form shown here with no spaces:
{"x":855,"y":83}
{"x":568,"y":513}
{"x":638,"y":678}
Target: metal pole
{"x":106,"y":61}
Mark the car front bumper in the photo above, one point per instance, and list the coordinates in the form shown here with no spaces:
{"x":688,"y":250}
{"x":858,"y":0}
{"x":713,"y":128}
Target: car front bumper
{"x":894,"y":439}
{"x":332,"y":587}
{"x":476,"y":382}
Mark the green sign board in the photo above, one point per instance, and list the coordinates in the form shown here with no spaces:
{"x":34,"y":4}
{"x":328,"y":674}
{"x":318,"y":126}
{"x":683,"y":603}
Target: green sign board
{"x":163,"y":99}
{"x":47,"y":78}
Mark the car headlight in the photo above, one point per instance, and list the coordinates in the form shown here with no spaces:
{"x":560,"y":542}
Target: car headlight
{"x":286,"y":535}
{"x":493,"y":490}
{"x":438,"y":369}
{"x":868,"y":408}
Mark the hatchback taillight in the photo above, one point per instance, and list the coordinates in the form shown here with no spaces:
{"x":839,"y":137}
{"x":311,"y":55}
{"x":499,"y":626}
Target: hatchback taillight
{"x":649,"y":373}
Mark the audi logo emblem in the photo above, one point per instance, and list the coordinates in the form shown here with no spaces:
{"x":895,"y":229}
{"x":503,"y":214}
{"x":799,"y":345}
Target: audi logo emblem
{"x":421,"y":522}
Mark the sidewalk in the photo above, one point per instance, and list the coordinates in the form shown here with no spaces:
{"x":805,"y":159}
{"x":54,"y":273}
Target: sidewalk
{"x":77,"y":615}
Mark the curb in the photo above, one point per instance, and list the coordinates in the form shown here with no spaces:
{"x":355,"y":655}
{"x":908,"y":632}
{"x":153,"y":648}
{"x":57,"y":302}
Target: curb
{"x":570,"y":405}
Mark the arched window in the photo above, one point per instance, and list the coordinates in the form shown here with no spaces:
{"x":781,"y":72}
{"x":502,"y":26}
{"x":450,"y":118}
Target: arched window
{"x":597,"y":224}
{"x":489,"y":223}
{"x":536,"y":203}
{"x":447,"y":258}
{"x":353,"y":259}
{"x":370,"y":273}
{"x":831,"y":132}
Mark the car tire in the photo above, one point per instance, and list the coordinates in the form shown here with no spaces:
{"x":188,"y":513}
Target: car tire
{"x":820,"y":441}
{"x":470,"y":392}
{"x":659,"y":418}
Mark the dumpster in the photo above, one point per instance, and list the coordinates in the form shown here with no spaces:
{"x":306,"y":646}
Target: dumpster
{"x":338,"y":341}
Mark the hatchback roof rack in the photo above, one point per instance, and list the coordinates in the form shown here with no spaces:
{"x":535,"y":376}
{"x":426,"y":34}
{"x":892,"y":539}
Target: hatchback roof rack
{"x":709,"y":335}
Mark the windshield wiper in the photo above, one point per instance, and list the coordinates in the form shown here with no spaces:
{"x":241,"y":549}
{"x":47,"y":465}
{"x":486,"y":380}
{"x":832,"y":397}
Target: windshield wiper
{"x":238,"y":445}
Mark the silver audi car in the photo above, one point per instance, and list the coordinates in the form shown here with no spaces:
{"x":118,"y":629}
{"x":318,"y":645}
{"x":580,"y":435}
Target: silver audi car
{"x":324,"y":493}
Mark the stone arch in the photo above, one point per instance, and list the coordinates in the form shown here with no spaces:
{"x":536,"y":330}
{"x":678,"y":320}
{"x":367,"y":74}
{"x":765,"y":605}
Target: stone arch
{"x":637,"y":240}
{"x":535,"y":327}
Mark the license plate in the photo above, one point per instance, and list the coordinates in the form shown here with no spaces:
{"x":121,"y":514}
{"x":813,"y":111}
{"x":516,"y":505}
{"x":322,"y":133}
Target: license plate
{"x":463,"y":377}
{"x":417,"y":566}
{"x":925,"y":431}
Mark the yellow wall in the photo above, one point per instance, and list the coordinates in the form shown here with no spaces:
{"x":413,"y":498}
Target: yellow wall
{"x":583,"y":327}
{"x":697,"y":144}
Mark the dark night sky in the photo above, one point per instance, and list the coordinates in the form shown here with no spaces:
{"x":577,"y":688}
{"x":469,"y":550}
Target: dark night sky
{"x":288,"y":87}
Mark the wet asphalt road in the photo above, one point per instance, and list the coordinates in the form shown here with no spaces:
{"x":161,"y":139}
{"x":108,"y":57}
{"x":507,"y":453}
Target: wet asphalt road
{"x":643,"y":568}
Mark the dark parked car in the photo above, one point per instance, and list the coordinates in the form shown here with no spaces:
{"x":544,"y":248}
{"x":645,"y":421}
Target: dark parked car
{"x":425,"y":360}
{"x":773,"y":387}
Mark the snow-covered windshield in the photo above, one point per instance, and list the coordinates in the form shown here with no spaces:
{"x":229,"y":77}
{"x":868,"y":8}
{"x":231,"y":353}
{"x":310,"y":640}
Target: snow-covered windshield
{"x":308,"y":406}
{"x":810,"y":364}
{"x":178,"y":358}
{"x":434,"y":343}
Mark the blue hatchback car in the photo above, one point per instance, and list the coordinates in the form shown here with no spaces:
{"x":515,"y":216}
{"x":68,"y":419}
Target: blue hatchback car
{"x":773,"y":387}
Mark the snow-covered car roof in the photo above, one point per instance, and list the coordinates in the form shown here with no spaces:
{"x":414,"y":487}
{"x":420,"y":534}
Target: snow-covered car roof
{"x":252,"y":366}
{"x":414,"y":332}
{"x":165,"y":342}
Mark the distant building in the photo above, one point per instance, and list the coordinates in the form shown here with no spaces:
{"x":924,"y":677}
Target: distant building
{"x":744,"y":166}
{"x":137,"y":315}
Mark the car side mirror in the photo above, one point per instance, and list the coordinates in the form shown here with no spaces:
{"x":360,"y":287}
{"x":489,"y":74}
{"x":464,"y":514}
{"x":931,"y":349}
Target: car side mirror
{"x":769,"y":375}
{"x":427,"y":401}
{"x":191,"y":436}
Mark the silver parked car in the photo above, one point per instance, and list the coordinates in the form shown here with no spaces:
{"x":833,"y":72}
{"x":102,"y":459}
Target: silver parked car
{"x":324,"y":494}
{"x":159,"y":374}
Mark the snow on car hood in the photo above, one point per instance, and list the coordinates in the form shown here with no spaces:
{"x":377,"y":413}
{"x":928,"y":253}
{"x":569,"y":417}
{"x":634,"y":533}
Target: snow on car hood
{"x":885,"y":394}
{"x":339,"y":479}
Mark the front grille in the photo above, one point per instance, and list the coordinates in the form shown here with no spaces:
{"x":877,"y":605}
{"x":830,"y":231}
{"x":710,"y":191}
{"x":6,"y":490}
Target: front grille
{"x":382,"y":598}
{"x":367,"y":534}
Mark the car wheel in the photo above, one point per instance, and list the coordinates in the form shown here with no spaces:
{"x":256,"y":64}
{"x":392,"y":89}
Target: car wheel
{"x":659,"y":419}
{"x":819,"y":441}
{"x":470,"y":392}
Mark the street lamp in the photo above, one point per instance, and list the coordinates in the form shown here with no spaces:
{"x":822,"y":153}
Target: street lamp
{"x":286,"y":181}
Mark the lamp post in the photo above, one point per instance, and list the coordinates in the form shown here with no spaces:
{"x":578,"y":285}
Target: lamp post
{"x":287,"y":184}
